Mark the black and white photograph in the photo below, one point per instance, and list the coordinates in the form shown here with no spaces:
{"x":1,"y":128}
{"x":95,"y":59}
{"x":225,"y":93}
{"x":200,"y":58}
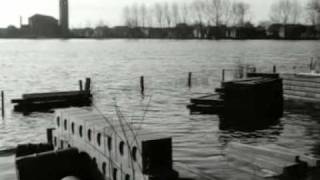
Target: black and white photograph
{"x":160,"y":90}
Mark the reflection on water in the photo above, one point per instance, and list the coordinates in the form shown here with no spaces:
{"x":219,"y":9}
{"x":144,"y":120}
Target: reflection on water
{"x":115,"y":67}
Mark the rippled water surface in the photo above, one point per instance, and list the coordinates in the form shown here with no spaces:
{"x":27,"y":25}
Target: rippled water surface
{"x":115,"y":67}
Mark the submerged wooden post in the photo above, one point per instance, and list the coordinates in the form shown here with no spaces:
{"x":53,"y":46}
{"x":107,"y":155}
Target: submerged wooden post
{"x":80,"y":85}
{"x":274,"y":69}
{"x":223,"y":74}
{"x":311,"y":64}
{"x":50,"y":135}
{"x":190,"y":79}
{"x":2,"y":104}
{"x":142,"y":84}
{"x":87,"y":84}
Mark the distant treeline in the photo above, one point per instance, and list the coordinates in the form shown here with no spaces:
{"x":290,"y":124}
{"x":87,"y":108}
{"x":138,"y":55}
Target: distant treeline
{"x":213,"y":19}
{"x":205,"y":19}
{"x":217,"y":13}
{"x":185,"y":31}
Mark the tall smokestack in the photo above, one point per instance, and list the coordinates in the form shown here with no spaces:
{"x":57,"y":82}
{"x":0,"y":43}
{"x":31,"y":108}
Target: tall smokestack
{"x":64,"y":17}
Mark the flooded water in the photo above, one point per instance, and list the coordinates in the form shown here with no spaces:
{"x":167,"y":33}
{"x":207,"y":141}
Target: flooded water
{"x":115,"y":67}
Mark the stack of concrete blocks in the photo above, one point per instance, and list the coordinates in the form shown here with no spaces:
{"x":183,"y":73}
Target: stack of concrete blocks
{"x":105,"y":141}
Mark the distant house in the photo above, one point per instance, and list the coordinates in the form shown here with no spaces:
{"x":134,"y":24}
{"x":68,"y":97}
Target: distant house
{"x":82,"y":33}
{"x":292,"y":31}
{"x":310,"y":33}
{"x":43,"y":26}
{"x":11,"y":32}
{"x":200,"y":31}
{"x":183,"y":31}
{"x":2,"y":32}
{"x":120,"y":32}
{"x":157,"y":33}
{"x":102,"y":32}
{"x":273,"y":31}
{"x":216,"y":32}
{"x":247,"y":31}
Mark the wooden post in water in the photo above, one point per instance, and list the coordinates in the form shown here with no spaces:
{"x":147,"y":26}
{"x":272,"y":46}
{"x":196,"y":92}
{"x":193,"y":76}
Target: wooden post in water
{"x":274,"y":69}
{"x":223,"y":74}
{"x":311,"y":64}
{"x":190,"y":79}
{"x":87,"y":84}
{"x":142,"y":84}
{"x":2,"y":104}
{"x":50,"y":135}
{"x":80,"y":85}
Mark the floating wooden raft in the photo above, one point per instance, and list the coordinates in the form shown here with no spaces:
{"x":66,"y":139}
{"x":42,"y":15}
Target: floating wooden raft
{"x":252,"y":100}
{"x":208,"y":104}
{"x":302,"y":87}
{"x":47,"y":101}
{"x":272,"y":161}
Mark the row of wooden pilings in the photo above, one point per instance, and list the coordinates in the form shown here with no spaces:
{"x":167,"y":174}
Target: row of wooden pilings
{"x":253,"y":69}
{"x":189,"y":79}
{"x":142,"y":87}
{"x":189,"y":82}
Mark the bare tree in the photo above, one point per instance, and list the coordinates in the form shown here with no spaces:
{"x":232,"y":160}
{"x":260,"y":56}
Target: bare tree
{"x":240,"y":12}
{"x":218,"y":11}
{"x":167,"y":14}
{"x":185,"y":12}
{"x":143,"y":14}
{"x":150,"y":17}
{"x":198,"y":11}
{"x":313,"y":12}
{"x":135,"y":15}
{"x":158,"y":12}
{"x":175,"y":13}
{"x":127,"y":16}
{"x":286,"y":11}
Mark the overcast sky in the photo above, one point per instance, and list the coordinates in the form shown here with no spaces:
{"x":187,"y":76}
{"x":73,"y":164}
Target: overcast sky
{"x":91,"y":12}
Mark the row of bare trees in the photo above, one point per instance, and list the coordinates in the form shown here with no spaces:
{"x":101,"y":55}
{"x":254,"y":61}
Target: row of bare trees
{"x":217,"y":12}
{"x":294,"y":12}
{"x":202,"y":12}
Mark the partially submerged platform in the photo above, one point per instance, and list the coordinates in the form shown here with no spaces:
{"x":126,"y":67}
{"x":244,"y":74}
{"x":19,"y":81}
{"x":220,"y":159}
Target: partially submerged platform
{"x":47,"y":101}
{"x":254,"y":100}
{"x":208,"y":104}
{"x":273,"y":161}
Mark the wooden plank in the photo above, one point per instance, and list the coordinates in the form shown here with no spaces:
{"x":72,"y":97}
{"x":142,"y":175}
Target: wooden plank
{"x":294,"y":77}
{"x":301,"y":84}
{"x":260,"y":162}
{"x":302,"y":89}
{"x":207,"y":100}
{"x":262,"y":151}
{"x":53,"y":95}
{"x":313,"y":162}
{"x":300,"y":98}
{"x":301,"y":94}
{"x":7,"y":168}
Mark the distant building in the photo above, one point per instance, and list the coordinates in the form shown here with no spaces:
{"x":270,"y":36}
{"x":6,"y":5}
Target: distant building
{"x":246,"y":32}
{"x":43,"y":26}
{"x":64,"y":17}
{"x":273,"y":31}
{"x":292,"y":31}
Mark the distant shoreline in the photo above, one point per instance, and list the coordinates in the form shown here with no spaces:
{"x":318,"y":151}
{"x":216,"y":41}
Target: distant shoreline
{"x":186,"y":39}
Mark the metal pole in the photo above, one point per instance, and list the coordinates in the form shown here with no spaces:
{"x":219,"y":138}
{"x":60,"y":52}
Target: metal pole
{"x":223,"y":74}
{"x":142,"y":84}
{"x":2,"y":104}
{"x":190,"y":79}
